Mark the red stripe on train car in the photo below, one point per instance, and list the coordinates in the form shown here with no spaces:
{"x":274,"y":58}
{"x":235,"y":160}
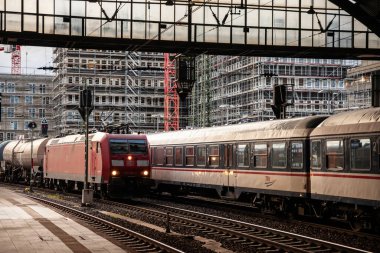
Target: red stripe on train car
{"x":296,"y":174}
{"x":344,"y":176}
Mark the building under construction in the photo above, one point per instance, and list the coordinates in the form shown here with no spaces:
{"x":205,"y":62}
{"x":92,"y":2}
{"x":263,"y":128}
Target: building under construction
{"x":127,"y":89}
{"x":359,"y":85}
{"x":233,"y":89}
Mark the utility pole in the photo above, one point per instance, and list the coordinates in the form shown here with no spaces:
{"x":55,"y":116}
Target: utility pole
{"x":32,"y":125}
{"x":85,"y":109}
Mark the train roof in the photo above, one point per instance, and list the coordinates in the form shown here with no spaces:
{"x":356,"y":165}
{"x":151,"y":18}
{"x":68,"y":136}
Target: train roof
{"x":92,"y":137}
{"x":275,"y":129}
{"x":351,"y":122}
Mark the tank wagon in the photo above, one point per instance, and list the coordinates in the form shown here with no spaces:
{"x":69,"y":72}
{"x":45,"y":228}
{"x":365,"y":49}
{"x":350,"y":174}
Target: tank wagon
{"x":2,"y":165}
{"x":20,"y":162}
{"x":324,"y":166}
{"x":117,"y":163}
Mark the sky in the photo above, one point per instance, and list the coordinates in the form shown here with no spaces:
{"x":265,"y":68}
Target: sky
{"x":31,"y":59}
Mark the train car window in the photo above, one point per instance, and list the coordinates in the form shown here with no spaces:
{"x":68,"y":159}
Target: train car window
{"x":316,"y":159}
{"x":178,"y":156}
{"x":334,"y":155}
{"x":201,"y":156}
{"x":169,"y":156}
{"x":159,"y":156}
{"x":243,"y":155}
{"x":189,"y":156}
{"x":213,"y":157}
{"x":296,"y":154}
{"x":260,"y":155}
{"x":360,"y":150}
{"x":278,"y":155}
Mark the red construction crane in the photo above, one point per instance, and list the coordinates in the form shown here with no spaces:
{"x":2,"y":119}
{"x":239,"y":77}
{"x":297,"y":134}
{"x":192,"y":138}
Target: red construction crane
{"x":171,"y":103}
{"x":16,"y":57}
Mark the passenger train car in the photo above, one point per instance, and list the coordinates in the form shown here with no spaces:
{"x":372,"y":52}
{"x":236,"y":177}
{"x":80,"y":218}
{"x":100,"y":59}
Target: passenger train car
{"x":117,"y":163}
{"x":326,"y":166}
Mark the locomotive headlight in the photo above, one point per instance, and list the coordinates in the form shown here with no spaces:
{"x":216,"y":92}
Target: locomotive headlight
{"x":115,"y":173}
{"x":129,"y":158}
{"x":145,"y":173}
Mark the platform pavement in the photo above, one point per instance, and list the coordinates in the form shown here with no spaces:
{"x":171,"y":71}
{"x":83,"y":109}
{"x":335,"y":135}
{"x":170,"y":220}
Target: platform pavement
{"x":27,"y":226}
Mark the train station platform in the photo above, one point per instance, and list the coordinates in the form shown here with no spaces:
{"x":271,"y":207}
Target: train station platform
{"x":27,"y":226}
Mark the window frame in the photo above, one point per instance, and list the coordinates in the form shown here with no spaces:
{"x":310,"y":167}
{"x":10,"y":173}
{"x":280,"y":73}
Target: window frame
{"x":254,"y":154}
{"x":320,"y":155}
{"x":284,"y":152}
{"x":155,"y":156}
{"x":238,"y":164}
{"x":169,"y":156}
{"x":370,"y":153}
{"x":209,"y":156}
{"x":327,"y":155}
{"x":192,"y":156}
{"x":197,"y":157}
{"x":178,"y":156}
{"x":302,"y":155}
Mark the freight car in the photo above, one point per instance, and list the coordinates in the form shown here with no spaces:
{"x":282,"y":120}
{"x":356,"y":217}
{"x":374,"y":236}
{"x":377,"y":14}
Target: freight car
{"x":117,"y":163}
{"x":274,"y":165}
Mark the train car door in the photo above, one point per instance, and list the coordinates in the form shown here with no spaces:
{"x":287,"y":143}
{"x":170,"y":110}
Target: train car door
{"x":228,"y":166}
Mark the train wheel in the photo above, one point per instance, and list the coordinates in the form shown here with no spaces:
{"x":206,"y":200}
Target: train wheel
{"x":356,"y":224}
{"x":355,"y":221}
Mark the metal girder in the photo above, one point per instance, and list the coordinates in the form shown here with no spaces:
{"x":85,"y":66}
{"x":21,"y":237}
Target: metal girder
{"x":366,"y":11}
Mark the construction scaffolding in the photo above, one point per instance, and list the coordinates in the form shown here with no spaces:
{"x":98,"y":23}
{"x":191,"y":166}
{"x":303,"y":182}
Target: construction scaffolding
{"x":127,"y":87}
{"x":359,"y":84}
{"x":241,"y":88}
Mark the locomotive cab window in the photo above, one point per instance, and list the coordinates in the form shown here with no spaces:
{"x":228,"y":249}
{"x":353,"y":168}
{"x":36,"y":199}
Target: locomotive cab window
{"x":189,"y":159}
{"x":334,"y":155}
{"x":137,"y":146}
{"x":118,"y":146}
{"x":213,"y":157}
{"x":178,"y":156}
{"x":360,"y":154}
{"x":260,"y":155}
{"x":201,"y":156}
{"x":169,"y":156}
{"x":315,"y":159}
{"x":242,"y":155}
{"x":296,"y":157}
{"x":279,"y":155}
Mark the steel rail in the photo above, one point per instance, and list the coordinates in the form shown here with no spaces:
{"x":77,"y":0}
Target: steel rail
{"x":260,"y":237}
{"x":128,"y":237}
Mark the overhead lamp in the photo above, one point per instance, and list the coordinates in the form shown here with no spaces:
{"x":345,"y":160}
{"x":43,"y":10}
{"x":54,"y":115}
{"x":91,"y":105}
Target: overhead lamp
{"x":169,"y":3}
{"x":311,"y":10}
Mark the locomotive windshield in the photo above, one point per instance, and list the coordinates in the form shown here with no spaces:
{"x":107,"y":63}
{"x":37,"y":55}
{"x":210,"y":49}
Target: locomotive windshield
{"x":128,"y":146}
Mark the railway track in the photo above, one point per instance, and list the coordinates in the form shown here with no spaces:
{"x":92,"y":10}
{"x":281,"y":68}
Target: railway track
{"x":135,"y":241}
{"x":254,"y":238}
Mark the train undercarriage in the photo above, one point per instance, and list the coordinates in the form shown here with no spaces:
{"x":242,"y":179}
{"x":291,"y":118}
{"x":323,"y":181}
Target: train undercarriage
{"x":357,"y":217}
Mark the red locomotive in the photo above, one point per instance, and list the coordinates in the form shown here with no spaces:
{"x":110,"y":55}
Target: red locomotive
{"x":117,"y":163}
